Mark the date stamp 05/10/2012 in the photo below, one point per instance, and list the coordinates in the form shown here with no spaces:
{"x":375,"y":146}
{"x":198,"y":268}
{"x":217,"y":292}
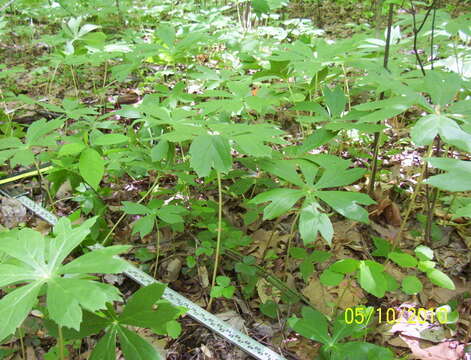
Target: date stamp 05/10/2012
{"x":410,"y":315}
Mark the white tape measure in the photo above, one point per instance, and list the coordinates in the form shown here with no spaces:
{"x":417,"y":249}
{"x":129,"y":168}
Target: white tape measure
{"x":212,"y":322}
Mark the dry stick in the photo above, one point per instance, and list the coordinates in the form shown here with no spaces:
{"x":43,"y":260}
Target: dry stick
{"x":374,"y":165}
{"x":105,"y":241}
{"x":417,"y":30}
{"x":397,"y":238}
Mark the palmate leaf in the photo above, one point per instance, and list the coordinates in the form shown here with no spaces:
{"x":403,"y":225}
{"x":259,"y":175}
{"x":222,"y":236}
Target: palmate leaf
{"x":38,"y":261}
{"x":313,"y":325}
{"x":134,"y":347}
{"x":105,"y":348}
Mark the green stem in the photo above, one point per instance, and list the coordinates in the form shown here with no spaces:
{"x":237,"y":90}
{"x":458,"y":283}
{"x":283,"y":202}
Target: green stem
{"x":218,"y":241}
{"x":60,"y":343}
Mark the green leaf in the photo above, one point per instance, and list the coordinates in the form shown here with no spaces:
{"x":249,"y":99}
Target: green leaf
{"x":442,"y":86}
{"x":403,"y":259}
{"x":99,"y":261}
{"x":361,"y":351}
{"x":440,"y":279}
{"x":134,"y":347}
{"x":371,"y":279}
{"x":66,"y":240}
{"x":170,"y":214}
{"x":312,"y":221}
{"x":260,"y":7}
{"x":110,"y":139}
{"x":38,"y":129}
{"x":174,"y":329}
{"x":345,"y":203}
{"x":332,"y":177}
{"x":285,"y":169}
{"x":15,"y":307}
{"x":424,"y":253}
{"x":91,"y":167}
{"x":140,"y":311}
{"x":282,"y":200}
{"x":67,"y":296}
{"x":10,"y":274}
{"x":345,"y":266}
{"x":331,"y":278}
{"x":210,"y":151}
{"x":133,"y":208}
{"x":160,"y":150}
{"x":456,"y":178}
{"x":425,"y":130}
{"x":105,"y":349}
{"x":383,"y":247}
{"x":223,"y":281}
{"x":71,"y":149}
{"x":313,"y":325}
{"x":144,"y":225}
{"x":269,"y":308}
{"x":411,"y":285}
{"x":335,"y":100}
{"x":28,"y":246}
{"x":306,"y":268}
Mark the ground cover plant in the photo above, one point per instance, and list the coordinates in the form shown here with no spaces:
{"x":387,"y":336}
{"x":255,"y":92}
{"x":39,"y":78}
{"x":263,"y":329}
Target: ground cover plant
{"x":301,"y":168}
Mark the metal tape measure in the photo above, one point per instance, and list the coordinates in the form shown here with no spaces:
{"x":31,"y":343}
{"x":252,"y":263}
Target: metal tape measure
{"x":212,"y":322}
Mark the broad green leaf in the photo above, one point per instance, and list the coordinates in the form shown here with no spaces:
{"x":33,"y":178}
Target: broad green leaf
{"x":306,"y":268}
{"x":210,"y":151}
{"x":91,"y":167}
{"x":411,"y":285}
{"x":331,"y":278}
{"x":383,"y":247}
{"x":38,"y":129}
{"x":425,"y":130}
{"x":335,"y":100}
{"x":403,"y":259}
{"x":66,"y":240}
{"x":15,"y":307}
{"x":441,"y":279}
{"x":98,"y":261}
{"x":358,"y":350}
{"x":148,"y":316}
{"x":105,"y":349}
{"x":345,"y":266}
{"x":285,"y":169}
{"x":371,"y":279}
{"x":345,"y":203}
{"x":134,"y":347}
{"x":27,"y":246}
{"x":23,"y":157}
{"x":318,"y":138}
{"x":260,"y":7}
{"x":282,"y":200}
{"x":133,"y":208}
{"x":10,"y":274}
{"x":10,"y":142}
{"x":174,"y":329}
{"x":269,"y":308}
{"x":142,"y":301}
{"x":170,"y":214}
{"x":62,"y":306}
{"x":333,"y":177}
{"x":464,"y":211}
{"x":144,"y":225}
{"x":442,"y":86}
{"x":71,"y":149}
{"x":110,"y":139}
{"x":313,"y":325}
{"x":312,"y":221}
{"x":67,"y":296}
{"x":456,"y":178}
{"x":160,"y":150}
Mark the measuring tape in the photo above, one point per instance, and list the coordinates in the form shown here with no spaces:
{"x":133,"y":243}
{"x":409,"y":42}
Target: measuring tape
{"x":25,"y":174}
{"x":212,"y":322}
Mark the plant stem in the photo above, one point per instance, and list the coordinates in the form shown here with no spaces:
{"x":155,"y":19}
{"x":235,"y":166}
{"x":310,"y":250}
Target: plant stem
{"x":60,"y":343}
{"x":218,"y":240}
{"x":106,"y":241}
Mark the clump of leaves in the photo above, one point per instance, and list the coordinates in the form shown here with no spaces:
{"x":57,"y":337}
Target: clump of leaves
{"x":36,"y":262}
